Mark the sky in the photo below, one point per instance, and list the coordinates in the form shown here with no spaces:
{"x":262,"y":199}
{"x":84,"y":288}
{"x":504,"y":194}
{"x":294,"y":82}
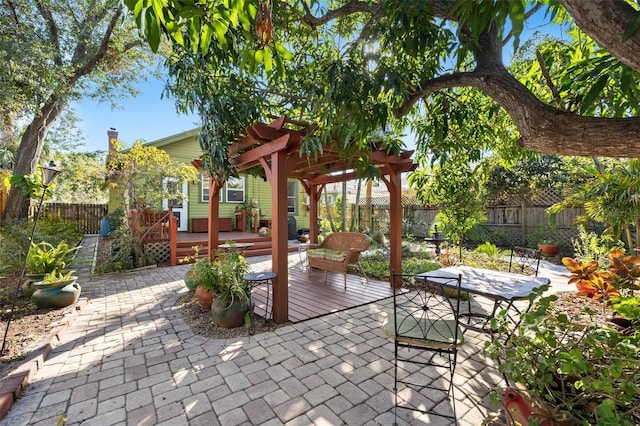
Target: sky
{"x":144,"y":117}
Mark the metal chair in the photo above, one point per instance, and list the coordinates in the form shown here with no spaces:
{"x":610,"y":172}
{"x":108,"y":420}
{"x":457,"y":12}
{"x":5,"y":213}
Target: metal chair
{"x":425,"y":329}
{"x":524,"y":260}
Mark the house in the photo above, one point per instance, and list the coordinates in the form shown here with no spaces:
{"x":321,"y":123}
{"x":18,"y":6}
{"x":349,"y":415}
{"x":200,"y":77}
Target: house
{"x":245,"y":192}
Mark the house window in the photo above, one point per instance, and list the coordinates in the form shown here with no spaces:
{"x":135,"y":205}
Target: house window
{"x":235,"y":190}
{"x":205,"y":189}
{"x":292,"y":198}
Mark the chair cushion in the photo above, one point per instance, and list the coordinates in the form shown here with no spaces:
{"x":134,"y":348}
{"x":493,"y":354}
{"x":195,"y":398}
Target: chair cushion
{"x":424,"y":332}
{"x":325,"y":253}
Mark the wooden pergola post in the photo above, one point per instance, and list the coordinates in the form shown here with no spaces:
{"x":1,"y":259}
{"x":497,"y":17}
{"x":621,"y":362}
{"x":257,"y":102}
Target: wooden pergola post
{"x":214,"y":212}
{"x":314,"y":196}
{"x":279,"y":237}
{"x":394,"y":185}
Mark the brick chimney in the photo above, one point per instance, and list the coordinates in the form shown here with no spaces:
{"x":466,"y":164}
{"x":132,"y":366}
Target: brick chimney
{"x":113,"y":136}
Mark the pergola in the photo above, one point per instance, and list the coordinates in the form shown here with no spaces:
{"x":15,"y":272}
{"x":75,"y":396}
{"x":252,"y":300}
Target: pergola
{"x":276,"y":149}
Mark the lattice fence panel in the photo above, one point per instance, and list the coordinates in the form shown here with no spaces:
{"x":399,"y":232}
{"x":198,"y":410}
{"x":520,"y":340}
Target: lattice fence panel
{"x":511,"y":219}
{"x":160,"y":252}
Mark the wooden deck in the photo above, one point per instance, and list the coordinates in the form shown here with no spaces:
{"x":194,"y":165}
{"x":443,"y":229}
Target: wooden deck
{"x":310,"y":297}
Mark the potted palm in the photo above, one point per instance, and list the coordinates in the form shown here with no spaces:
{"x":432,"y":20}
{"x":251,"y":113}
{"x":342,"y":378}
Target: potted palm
{"x":44,"y":258}
{"x":223,"y":277}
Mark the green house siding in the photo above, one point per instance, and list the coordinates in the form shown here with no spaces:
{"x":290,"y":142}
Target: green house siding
{"x":184,"y":147}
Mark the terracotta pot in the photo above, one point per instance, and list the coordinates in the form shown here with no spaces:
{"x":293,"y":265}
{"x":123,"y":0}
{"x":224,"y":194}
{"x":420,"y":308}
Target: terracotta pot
{"x":548,"y":250}
{"x":205,"y":297}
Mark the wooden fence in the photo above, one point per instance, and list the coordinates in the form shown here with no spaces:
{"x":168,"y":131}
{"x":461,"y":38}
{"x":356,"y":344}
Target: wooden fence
{"x":510,"y":220}
{"x":87,"y":216}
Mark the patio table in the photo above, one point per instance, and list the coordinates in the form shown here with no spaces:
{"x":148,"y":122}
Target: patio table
{"x":503,"y":288}
{"x":241,"y":247}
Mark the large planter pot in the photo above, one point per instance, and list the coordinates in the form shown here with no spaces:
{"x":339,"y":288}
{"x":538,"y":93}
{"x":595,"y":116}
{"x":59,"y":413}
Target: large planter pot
{"x":548,"y":250}
{"x":55,"y":295}
{"x":230,"y":316}
{"x":205,"y":297}
{"x":28,"y":285}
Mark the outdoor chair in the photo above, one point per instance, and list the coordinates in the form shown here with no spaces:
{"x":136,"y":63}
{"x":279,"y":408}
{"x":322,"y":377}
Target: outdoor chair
{"x":524,"y":260}
{"x":425,"y":329}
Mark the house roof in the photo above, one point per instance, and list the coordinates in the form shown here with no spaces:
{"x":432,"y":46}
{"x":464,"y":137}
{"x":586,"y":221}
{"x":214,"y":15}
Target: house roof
{"x":174,"y":138}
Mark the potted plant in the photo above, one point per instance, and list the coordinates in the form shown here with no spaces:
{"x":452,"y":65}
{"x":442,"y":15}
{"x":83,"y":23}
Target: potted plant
{"x":44,"y":258}
{"x":56,"y":290}
{"x":223,"y":276}
{"x":201,"y":276}
{"x":544,"y":238}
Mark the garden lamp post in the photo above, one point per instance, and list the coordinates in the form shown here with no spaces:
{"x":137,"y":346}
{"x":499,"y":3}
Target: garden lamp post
{"x":49,"y":173}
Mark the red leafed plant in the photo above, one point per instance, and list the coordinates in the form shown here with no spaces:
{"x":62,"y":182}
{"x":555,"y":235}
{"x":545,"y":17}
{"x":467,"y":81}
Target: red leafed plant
{"x":592,"y":282}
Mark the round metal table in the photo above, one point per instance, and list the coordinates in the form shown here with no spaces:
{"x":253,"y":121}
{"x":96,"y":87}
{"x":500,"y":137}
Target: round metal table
{"x":257,"y":278}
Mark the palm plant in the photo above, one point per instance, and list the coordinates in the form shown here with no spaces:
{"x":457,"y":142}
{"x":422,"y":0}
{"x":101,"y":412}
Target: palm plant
{"x":611,"y":197}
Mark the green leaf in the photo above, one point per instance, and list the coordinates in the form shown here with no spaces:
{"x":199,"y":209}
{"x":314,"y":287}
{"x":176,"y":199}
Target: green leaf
{"x":205,"y":38}
{"x":593,"y":93}
{"x":268,"y":64}
{"x":152,"y":31}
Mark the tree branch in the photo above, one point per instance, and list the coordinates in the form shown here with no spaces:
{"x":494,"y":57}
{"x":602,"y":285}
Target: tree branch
{"x":353,"y":6}
{"x":53,"y":31}
{"x":93,"y":61}
{"x":547,"y":77}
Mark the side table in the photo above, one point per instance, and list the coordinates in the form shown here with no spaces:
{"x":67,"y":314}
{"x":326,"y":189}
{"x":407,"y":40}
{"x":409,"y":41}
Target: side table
{"x":257,"y":278}
{"x":302,"y":248}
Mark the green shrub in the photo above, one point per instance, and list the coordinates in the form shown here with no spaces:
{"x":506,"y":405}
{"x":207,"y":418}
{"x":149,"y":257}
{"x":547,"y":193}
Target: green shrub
{"x":589,"y":246}
{"x":586,"y":375}
{"x":54,"y":230}
{"x":14,"y":241}
{"x":116,"y":219}
{"x":378,"y":237}
{"x":377,"y":266}
{"x":490,"y":250}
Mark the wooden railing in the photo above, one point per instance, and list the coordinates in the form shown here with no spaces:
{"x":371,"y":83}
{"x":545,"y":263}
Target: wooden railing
{"x":151,"y":225}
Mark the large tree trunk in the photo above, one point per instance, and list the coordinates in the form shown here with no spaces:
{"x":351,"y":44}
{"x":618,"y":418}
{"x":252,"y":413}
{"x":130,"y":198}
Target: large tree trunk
{"x":28,"y":154}
{"x":606,"y":21}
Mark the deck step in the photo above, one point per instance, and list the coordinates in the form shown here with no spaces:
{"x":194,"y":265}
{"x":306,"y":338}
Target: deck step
{"x":260,"y":248}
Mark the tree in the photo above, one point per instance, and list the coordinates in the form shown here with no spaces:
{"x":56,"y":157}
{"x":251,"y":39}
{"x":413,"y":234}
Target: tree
{"x":55,"y":51}
{"x":360,"y":66}
{"x":83,"y":178}
{"x":141,"y":176}
{"x":458,"y":193}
